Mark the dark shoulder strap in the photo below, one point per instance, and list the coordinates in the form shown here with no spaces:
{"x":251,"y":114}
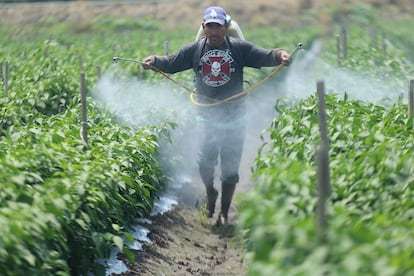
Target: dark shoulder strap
{"x":235,"y":50}
{"x":198,"y":51}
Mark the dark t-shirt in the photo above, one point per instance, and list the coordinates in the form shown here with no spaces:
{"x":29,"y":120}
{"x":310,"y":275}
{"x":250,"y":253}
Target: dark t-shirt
{"x":219,"y":72}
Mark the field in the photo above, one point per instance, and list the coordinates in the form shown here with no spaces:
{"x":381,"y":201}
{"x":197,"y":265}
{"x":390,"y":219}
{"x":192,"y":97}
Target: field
{"x":170,"y":14}
{"x":89,"y":146}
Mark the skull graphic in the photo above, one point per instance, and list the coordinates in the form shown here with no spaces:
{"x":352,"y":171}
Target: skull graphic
{"x":215,"y":68}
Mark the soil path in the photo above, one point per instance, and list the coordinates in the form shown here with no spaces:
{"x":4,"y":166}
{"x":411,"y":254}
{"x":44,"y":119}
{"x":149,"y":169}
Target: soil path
{"x":184,"y":244}
{"x":185,"y":241}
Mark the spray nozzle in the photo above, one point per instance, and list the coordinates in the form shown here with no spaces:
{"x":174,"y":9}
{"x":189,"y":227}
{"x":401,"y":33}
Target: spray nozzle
{"x":115,"y":59}
{"x":298,"y":47}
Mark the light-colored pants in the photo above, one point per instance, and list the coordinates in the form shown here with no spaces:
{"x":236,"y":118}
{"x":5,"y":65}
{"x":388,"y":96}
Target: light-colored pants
{"x":223,"y":143}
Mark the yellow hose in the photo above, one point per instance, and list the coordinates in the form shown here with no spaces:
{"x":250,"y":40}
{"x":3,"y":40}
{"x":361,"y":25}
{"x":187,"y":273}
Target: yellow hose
{"x":242,"y":93}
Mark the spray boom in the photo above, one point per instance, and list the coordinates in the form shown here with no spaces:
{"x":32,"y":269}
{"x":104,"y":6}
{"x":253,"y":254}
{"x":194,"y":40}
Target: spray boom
{"x":116,"y":59}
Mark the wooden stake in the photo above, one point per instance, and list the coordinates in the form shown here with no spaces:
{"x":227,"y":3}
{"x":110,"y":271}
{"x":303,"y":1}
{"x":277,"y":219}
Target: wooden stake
{"x":373,"y":33}
{"x":411,"y":98}
{"x":320,"y":86}
{"x":114,"y":50}
{"x":6,"y":78}
{"x":140,"y":74}
{"x":84,"y":127}
{"x":338,"y":49}
{"x":98,"y":71}
{"x":344,"y":40}
{"x":324,"y":188}
{"x":166,"y":47}
{"x":81,"y":63}
{"x":384,"y":46}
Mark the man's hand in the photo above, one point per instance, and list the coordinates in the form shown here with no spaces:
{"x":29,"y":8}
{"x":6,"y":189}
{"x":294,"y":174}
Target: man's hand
{"x":284,"y":57}
{"x":148,"y":62}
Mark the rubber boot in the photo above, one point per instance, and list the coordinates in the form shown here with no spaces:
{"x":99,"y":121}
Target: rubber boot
{"x":227,"y":191}
{"x":212,"y":194}
{"x":207,"y":175}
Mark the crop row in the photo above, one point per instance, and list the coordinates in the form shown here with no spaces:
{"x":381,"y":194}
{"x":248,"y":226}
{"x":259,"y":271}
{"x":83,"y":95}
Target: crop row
{"x":370,"y":207}
{"x":64,"y":205}
{"x":370,"y":211}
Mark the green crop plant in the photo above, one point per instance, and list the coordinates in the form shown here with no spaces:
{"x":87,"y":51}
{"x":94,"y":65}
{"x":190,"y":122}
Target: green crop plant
{"x":370,"y":208}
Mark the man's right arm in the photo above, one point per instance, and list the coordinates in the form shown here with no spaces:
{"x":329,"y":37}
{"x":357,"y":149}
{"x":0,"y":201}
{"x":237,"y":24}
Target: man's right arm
{"x":179,"y":61}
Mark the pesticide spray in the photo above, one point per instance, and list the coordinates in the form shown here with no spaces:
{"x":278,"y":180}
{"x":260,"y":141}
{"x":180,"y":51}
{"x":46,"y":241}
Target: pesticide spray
{"x":138,"y":103}
{"x":309,"y":68}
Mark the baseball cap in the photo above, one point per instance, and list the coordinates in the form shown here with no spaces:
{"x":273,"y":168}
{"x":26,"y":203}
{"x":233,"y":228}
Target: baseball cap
{"x":215,"y":15}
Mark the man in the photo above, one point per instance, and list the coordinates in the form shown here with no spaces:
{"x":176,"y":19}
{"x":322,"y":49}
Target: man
{"x":218,"y":62}
{"x":233,"y":29}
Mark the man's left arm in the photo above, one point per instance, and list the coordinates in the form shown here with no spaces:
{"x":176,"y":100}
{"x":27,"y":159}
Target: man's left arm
{"x":276,"y":57}
{"x":255,"y":56}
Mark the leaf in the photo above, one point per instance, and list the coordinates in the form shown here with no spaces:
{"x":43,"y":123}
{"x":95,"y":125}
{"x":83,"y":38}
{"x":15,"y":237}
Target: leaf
{"x":29,"y":257}
{"x":19,"y":179}
{"x":116,"y":227}
{"x":129,"y":237}
{"x":130,"y":254}
{"x":118,"y":242}
{"x":82,"y":224}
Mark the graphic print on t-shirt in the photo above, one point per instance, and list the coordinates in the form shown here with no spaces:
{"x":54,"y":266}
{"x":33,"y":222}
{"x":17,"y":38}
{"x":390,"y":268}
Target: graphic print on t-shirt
{"x":216,"y":67}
